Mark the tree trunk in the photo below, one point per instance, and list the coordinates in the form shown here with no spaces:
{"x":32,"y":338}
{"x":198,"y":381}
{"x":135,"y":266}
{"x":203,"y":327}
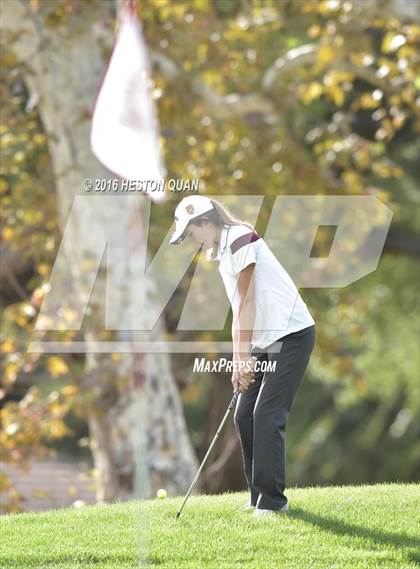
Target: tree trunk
{"x":65,"y":65}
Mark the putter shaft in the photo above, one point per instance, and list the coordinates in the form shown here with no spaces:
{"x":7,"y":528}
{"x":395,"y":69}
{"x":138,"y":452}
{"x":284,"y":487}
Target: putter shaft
{"x":219,"y":430}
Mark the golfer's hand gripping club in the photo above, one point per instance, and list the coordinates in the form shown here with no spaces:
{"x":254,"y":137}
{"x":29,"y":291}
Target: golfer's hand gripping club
{"x":242,"y":379}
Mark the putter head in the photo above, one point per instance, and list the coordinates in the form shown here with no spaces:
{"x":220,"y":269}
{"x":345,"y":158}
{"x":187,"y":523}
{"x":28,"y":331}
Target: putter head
{"x":177,"y":515}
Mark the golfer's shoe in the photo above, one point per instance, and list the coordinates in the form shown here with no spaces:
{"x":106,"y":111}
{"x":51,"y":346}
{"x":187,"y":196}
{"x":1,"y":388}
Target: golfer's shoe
{"x":248,"y":506}
{"x":259,"y":512}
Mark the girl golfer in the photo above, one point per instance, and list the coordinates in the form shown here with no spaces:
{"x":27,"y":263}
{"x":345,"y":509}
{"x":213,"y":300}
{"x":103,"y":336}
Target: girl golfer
{"x":271,"y":323}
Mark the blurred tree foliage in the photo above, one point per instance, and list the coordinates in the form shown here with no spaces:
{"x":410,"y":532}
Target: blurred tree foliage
{"x":262,"y":97}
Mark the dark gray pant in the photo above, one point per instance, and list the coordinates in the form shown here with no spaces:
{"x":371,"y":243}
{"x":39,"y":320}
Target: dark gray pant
{"x":261,"y":416}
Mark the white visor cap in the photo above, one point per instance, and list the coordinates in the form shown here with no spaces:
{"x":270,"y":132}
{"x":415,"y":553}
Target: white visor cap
{"x":189,"y":208}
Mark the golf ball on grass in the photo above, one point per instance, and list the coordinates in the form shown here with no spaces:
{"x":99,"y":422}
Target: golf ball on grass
{"x":161,"y":494}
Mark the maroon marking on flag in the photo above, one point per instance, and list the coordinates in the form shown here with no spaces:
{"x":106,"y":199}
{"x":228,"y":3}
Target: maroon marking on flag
{"x":244,"y":240}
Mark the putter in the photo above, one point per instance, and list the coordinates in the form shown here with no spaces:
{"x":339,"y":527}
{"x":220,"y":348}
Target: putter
{"x":219,"y":430}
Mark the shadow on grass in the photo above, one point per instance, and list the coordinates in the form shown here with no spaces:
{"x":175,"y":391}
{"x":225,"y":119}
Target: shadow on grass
{"x":402,"y":542}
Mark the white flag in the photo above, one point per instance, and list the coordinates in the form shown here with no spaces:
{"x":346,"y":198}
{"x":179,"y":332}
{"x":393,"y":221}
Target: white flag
{"x":124,"y":134}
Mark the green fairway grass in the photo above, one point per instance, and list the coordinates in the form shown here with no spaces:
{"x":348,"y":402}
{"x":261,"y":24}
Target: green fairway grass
{"x":328,"y":528}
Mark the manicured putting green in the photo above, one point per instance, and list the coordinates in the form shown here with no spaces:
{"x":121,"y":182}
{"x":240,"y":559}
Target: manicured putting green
{"x":361,"y":527}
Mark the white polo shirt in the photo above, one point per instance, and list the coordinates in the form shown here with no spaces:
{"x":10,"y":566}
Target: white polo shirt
{"x":279,"y":308}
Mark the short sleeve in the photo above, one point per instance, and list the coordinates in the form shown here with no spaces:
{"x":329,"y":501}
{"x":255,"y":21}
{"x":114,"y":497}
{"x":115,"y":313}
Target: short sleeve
{"x":242,"y":251}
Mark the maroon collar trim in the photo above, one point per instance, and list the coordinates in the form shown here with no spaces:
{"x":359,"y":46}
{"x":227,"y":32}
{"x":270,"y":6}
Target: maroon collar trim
{"x":243,"y":240}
